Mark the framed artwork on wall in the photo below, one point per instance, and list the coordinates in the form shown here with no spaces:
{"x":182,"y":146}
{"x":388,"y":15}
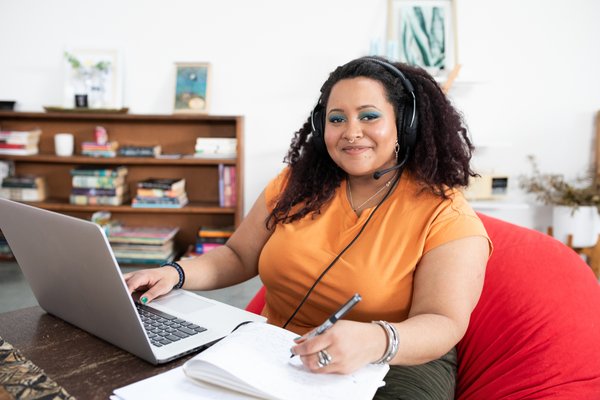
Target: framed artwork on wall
{"x":93,"y":79}
{"x":423,"y":33}
{"x":192,"y":87}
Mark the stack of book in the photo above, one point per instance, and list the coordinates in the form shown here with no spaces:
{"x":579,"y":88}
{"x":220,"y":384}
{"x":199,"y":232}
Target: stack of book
{"x":143,"y":245}
{"x":5,"y":252}
{"x":210,"y":238}
{"x":215,"y":147}
{"x":97,"y":185}
{"x":227,"y":192}
{"x":20,"y":143}
{"x":140,"y":151}
{"x":94,"y":149}
{"x":160,"y":193}
{"x":23,"y":188}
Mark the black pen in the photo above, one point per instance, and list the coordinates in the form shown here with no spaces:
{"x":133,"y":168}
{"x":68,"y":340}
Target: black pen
{"x":334,"y":318}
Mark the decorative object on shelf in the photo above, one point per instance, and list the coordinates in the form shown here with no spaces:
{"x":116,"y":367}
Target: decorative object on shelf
{"x":100,"y":147}
{"x":487,"y":187}
{"x":7,"y":168}
{"x":215,"y":147}
{"x":93,"y":79}
{"x":7,"y":105}
{"x":192,"y":87}
{"x":64,"y":144}
{"x":424,"y":33}
{"x":575,"y":205}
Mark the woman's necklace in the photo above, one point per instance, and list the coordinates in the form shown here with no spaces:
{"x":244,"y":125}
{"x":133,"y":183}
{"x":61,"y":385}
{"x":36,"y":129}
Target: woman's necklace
{"x":355,"y":209}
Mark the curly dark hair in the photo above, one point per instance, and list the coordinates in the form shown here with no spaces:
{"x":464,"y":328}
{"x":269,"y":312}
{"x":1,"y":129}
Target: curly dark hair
{"x":440,"y":159}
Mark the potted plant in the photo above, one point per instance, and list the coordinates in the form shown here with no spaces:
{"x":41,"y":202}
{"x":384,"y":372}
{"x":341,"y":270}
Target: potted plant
{"x":575,"y":205}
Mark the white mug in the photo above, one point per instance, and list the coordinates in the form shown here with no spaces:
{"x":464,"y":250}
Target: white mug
{"x":64,"y":144}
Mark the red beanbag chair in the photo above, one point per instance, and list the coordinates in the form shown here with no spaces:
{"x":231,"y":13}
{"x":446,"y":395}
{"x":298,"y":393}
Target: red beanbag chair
{"x":535,"y":333}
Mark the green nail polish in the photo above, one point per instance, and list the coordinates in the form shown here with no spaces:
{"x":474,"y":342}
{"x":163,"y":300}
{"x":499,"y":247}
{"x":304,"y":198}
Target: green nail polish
{"x":144,"y":299}
{"x":298,"y":337}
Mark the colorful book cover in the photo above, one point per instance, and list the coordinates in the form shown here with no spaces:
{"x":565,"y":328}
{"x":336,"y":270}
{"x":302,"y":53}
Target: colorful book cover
{"x":93,"y":170}
{"x":163,"y":183}
{"x":99,"y":182}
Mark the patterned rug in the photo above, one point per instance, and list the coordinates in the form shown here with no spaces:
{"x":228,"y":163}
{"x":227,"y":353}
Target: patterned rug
{"x":22,"y":379}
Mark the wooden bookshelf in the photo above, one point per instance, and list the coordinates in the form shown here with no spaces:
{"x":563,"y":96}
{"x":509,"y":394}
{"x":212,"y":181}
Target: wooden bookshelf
{"x":175,"y":133}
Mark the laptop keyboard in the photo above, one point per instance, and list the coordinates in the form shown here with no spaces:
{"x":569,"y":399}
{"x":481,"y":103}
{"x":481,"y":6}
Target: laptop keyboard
{"x":163,"y":328}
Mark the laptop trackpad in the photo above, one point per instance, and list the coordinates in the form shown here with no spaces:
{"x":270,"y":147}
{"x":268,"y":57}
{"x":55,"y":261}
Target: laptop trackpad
{"x":182,"y":304}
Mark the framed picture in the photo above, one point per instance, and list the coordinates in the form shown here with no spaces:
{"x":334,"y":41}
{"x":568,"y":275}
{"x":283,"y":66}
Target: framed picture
{"x":93,"y":79}
{"x":192,"y":87}
{"x":423,"y":33}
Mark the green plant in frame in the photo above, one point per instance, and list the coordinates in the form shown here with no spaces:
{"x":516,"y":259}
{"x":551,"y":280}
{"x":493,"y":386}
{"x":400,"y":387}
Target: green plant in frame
{"x":423,"y":36}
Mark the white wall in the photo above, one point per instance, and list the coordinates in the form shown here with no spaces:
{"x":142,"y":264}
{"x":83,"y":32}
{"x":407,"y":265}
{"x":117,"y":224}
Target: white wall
{"x":531,"y":76}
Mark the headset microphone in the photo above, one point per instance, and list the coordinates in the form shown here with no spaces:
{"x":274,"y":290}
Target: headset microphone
{"x":379,"y":174}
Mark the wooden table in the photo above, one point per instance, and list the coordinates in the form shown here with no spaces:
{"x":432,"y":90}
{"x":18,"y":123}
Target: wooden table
{"x":87,"y":367}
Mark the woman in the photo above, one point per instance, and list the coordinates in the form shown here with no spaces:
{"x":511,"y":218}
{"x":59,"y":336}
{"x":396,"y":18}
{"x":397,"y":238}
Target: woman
{"x":368,"y":204}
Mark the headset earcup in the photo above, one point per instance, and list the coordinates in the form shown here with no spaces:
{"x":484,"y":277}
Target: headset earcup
{"x":318,"y":124}
{"x":409,"y":131}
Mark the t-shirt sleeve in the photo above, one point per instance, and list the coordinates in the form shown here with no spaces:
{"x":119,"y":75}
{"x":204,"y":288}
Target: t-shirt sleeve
{"x":275,"y":187}
{"x":454,"y":220}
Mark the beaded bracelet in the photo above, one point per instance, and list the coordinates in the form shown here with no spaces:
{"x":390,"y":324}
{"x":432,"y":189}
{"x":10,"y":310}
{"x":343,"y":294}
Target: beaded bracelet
{"x":393,"y":342}
{"x":179,"y":270}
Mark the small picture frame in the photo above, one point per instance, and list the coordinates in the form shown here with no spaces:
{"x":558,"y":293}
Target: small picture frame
{"x":192,"y":87}
{"x":423,"y":32}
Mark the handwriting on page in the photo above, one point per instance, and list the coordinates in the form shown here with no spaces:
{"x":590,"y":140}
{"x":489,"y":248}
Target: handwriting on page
{"x":258,"y":355}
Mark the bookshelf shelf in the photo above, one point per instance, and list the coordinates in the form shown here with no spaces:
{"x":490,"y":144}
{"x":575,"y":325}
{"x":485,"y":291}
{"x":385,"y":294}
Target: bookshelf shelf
{"x":51,"y":158}
{"x":191,"y":208}
{"x":176,"y":134}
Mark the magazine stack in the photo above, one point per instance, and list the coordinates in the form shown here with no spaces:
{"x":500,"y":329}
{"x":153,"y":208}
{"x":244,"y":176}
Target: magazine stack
{"x":98,"y":185}
{"x":143,"y":245}
{"x":160,"y":193}
{"x":23,"y":188}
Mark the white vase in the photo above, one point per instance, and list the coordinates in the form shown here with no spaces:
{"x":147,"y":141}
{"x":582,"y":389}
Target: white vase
{"x":583,"y":225}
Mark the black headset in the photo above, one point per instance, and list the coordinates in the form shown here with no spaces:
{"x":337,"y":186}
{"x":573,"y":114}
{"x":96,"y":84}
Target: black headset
{"x":406,"y":126}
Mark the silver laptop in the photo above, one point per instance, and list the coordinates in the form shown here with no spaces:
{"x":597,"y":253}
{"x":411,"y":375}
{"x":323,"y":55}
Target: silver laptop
{"x":74,"y":275}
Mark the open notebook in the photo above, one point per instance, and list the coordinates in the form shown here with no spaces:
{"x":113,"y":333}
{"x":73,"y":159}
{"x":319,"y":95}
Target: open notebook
{"x":254,"y":362}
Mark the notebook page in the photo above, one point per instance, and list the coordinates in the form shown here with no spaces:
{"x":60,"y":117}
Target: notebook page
{"x":259,"y":356}
{"x":173,"y":384}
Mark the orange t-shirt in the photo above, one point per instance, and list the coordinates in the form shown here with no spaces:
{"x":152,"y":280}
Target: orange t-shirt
{"x":379,"y":266}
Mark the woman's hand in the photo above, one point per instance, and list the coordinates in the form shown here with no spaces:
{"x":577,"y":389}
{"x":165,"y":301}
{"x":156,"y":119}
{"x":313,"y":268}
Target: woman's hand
{"x":154,"y":282}
{"x":351,"y":345}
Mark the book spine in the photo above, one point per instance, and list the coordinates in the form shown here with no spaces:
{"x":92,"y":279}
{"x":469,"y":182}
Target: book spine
{"x":104,"y":182}
{"x":221,"y":185}
{"x":202,"y":248}
{"x":83,"y":200}
{"x":99,"y":172}
{"x":97,"y":191}
{"x":22,"y":194}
